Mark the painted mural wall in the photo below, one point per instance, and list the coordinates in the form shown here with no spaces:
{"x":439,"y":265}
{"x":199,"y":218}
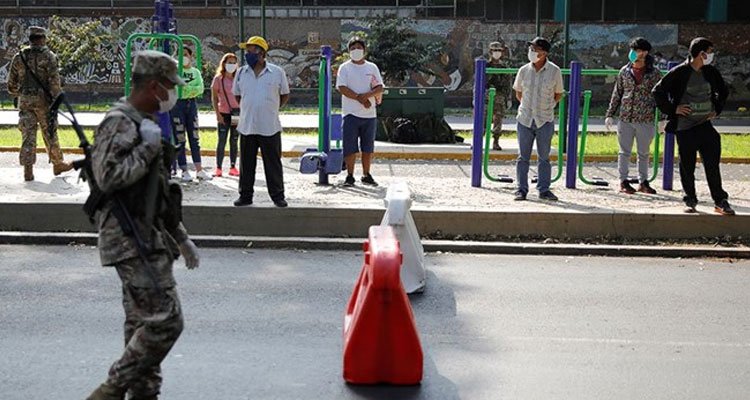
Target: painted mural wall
{"x":296,"y":47}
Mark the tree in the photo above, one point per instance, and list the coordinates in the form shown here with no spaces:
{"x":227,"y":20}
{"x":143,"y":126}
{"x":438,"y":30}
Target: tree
{"x":77,"y":44}
{"x":394,"y":47}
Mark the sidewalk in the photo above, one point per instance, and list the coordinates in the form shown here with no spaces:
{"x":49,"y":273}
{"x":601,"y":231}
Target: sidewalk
{"x":443,"y":201}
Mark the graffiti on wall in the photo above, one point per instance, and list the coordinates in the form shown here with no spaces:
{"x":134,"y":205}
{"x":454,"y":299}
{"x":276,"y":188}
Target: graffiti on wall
{"x":297,"y":48}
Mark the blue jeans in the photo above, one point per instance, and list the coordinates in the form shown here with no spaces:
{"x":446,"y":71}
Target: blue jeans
{"x":185,"y":127}
{"x":526,"y":138}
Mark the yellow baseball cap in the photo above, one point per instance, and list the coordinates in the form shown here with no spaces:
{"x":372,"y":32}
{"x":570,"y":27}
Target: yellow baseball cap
{"x":257,"y":41}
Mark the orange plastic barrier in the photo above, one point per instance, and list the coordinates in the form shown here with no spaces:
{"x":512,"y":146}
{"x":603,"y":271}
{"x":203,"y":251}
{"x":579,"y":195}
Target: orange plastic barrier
{"x":381,"y":343}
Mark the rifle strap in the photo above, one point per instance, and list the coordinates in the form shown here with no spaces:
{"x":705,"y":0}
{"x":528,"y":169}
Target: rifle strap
{"x":44,"y":87}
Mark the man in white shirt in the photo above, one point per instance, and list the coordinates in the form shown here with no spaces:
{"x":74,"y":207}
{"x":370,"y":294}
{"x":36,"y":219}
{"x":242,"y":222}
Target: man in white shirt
{"x":360,"y":83}
{"x":261,"y":89}
{"x":539,"y":87}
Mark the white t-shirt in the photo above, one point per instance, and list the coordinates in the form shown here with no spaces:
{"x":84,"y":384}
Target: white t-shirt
{"x":360,"y":78}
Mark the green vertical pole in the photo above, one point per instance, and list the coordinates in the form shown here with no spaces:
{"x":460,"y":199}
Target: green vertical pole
{"x":242,"y":25}
{"x":567,"y":33}
{"x":538,"y":19}
{"x":718,"y":11}
{"x":263,"y":19}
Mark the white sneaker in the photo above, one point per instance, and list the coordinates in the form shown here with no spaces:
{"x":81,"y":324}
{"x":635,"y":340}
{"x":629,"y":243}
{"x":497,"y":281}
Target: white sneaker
{"x":203,"y":176}
{"x":186,"y":176}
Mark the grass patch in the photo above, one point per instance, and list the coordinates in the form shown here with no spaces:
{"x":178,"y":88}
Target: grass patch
{"x":601,"y":144}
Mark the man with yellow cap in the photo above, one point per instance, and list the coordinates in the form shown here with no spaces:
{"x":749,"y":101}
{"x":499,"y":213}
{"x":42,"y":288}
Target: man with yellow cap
{"x":261,"y":89}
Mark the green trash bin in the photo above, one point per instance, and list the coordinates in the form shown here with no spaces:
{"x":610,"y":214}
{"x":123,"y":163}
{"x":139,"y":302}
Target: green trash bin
{"x":408,"y":101}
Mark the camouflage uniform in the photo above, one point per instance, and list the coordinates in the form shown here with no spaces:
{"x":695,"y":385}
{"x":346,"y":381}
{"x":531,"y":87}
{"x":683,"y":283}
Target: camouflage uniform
{"x":122,"y":163}
{"x":33,"y":103}
{"x":502,"y":84}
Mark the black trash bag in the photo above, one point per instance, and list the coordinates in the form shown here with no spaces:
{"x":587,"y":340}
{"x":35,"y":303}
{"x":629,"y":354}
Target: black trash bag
{"x":404,"y":131}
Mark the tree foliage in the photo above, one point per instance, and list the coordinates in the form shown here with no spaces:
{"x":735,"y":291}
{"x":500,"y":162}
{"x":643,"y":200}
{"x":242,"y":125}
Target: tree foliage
{"x":394,"y":47}
{"x":77,"y":43}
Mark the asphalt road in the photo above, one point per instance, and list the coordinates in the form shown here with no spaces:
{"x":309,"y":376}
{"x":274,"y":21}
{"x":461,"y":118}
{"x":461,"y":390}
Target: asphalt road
{"x":267,"y":325}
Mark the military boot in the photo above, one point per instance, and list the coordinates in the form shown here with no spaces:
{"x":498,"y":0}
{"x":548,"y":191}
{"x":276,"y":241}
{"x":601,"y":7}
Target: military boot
{"x":61,"y":167}
{"x":28,"y":173}
{"x":151,"y":397}
{"x":107,"y":392}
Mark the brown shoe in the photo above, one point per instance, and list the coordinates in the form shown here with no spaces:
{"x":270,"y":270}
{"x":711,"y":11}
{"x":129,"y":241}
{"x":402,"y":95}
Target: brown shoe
{"x":28,"y":173}
{"x":59,"y":168}
{"x":646,"y":188}
{"x":107,"y":392}
{"x":626,"y":188}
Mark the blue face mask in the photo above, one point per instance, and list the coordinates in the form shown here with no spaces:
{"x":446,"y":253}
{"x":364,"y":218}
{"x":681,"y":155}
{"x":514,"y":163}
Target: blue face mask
{"x":251,"y":59}
{"x":632,"y":56}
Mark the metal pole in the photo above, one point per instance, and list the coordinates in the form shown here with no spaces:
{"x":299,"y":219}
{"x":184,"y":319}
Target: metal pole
{"x":480,"y":65}
{"x":327,"y":53}
{"x":263,"y":19}
{"x":538,"y":19}
{"x":573,"y":106}
{"x":567,"y":33}
{"x":241,"y":14}
{"x":668,"y":176}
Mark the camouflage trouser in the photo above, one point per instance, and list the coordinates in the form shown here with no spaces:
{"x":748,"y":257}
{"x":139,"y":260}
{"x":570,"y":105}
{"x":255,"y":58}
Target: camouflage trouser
{"x":498,"y":112}
{"x":153,"y":322}
{"x":34,"y":112}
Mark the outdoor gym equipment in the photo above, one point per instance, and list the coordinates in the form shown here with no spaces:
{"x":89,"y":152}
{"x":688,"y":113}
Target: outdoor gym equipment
{"x":480,"y":154}
{"x":574,"y":161}
{"x":163,"y":34}
{"x":323,"y":159}
{"x":582,"y":150}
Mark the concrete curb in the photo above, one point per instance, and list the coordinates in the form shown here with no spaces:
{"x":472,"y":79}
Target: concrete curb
{"x":342,"y":222}
{"x":409,"y":156}
{"x":432,"y":246}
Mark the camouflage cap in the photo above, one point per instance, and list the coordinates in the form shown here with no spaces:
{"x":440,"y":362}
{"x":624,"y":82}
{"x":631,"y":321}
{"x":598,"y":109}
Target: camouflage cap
{"x":37,"y":31}
{"x":157,"y":64}
{"x":497,"y":46}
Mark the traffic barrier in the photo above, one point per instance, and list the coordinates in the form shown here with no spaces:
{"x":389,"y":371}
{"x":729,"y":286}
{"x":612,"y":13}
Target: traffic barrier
{"x":398,"y":216}
{"x":381,"y":343}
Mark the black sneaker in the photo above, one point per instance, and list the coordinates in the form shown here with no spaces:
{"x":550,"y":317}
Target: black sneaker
{"x":690,"y":205}
{"x":548,"y":195}
{"x":519,"y":196}
{"x":723,"y":208}
{"x":281,"y":203}
{"x":626,"y":188}
{"x":243,"y":201}
{"x":644,"y":187}
{"x":367,"y":180}
{"x":349,"y":181}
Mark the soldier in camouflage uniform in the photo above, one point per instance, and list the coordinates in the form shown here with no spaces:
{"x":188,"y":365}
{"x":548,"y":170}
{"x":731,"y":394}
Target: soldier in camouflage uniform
{"x":502,"y":84}
{"x":127,"y":157}
{"x":34,"y":101}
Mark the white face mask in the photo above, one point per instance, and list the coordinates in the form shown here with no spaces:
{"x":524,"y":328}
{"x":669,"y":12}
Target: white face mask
{"x":533,"y":56}
{"x":230,"y":67}
{"x":357,"y":54}
{"x":186,"y":61}
{"x":709,"y":59}
{"x":497,"y":54}
{"x":166,"y":105}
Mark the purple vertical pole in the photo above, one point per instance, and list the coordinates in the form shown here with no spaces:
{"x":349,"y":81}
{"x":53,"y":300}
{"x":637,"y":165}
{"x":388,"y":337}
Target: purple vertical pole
{"x":480,"y":65}
{"x":574,"y":102}
{"x":327,"y":52}
{"x":668,"y":176}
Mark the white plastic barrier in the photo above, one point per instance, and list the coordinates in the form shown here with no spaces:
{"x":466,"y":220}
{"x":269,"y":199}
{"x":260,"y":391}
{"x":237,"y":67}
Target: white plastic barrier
{"x":398,"y":215}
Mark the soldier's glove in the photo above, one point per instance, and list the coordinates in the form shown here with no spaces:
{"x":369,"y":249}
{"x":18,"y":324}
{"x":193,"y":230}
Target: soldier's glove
{"x":15,"y":102}
{"x":150,"y":132}
{"x":190,"y":253}
{"x":609,"y":122}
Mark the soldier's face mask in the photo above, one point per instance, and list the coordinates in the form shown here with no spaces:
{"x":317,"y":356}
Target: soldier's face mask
{"x":166,"y":105}
{"x":497,"y":54}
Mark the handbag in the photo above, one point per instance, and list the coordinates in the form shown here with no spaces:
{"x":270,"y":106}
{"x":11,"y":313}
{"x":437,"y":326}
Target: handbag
{"x":235,"y":112}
